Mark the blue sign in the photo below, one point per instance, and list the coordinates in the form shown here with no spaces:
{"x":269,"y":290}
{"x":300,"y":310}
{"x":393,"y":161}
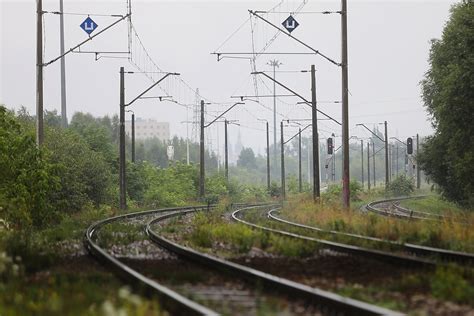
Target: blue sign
{"x":88,"y":25}
{"x":290,"y":24}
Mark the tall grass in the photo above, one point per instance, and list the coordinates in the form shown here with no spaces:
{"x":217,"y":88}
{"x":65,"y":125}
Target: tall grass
{"x":453,"y":233}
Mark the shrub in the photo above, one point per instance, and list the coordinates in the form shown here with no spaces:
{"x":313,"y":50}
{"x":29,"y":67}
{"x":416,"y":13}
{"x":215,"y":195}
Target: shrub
{"x":27,"y":180}
{"x":449,"y":284}
{"x":334,"y":191}
{"x":401,"y":186}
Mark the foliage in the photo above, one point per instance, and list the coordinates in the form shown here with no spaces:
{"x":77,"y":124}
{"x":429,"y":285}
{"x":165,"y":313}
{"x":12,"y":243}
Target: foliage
{"x":433,"y":204}
{"x":216,"y":186}
{"x":401,"y":186}
{"x":334,"y":191}
{"x":137,"y":183}
{"x":211,"y":230}
{"x":447,"y":157}
{"x":450,"y":284}
{"x":247,"y":159}
{"x":275,"y":189}
{"x":173,"y":186}
{"x":453,"y":233}
{"x":99,"y":133}
{"x":27,"y":180}
{"x":84,"y":174}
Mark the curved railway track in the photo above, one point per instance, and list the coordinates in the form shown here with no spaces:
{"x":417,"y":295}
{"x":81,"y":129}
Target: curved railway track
{"x":389,"y":257}
{"x":442,"y":254}
{"x":329,"y":303}
{"x":395,"y":210}
{"x":171,"y":300}
{"x":178,"y":304}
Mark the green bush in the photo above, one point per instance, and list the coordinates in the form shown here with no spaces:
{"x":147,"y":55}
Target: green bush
{"x":449,"y":284}
{"x":84,"y":174}
{"x":275,"y":190}
{"x":172,"y":186}
{"x":334,"y":191}
{"x":27,"y":180}
{"x":401,"y":186}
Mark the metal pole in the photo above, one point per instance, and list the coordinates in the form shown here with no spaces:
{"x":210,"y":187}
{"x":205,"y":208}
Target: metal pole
{"x":368,"y":165}
{"x":418,"y":173}
{"x":268,"y":157}
{"x":387,"y":175}
{"x":300,"y":183}
{"x":333,"y":166}
{"x":39,"y":73}
{"x":309,"y":165}
{"x":63,"y":66}
{"x":201,"y":154}
{"x":362,"y":161}
{"x":122,"y":174}
{"x":392,"y":163}
{"x":314,"y":116}
{"x":373,"y":162}
{"x":390,"y":159}
{"x":226,"y":153}
{"x":187,"y":136}
{"x":345,"y":109}
{"x":283,"y":191}
{"x":274,"y":63}
{"x":397,"y":159}
{"x":133,"y":137}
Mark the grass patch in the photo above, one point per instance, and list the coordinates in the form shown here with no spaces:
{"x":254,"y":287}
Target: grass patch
{"x":33,"y":280}
{"x":66,"y":293}
{"x":434,"y":204}
{"x":211,"y":231}
{"x":453,"y":233}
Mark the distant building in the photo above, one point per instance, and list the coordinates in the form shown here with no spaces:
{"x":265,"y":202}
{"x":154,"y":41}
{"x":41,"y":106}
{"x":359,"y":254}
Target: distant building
{"x":148,"y":129}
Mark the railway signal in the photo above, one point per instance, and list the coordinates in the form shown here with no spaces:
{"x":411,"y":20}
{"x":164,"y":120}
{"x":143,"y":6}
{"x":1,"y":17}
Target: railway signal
{"x":409,"y":146}
{"x":330,"y":146}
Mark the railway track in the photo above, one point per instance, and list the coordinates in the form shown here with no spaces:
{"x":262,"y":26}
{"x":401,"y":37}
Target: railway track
{"x":431,"y":252}
{"x":190,"y":299}
{"x":171,"y":300}
{"x":392,"y":258}
{"x":392,"y":208}
{"x":329,"y":303}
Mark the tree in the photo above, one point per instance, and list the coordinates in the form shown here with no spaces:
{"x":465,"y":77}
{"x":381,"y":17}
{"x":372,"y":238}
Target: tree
{"x":247,"y":159}
{"x":84,"y":174}
{"x":447,"y":157}
{"x":26,"y":180}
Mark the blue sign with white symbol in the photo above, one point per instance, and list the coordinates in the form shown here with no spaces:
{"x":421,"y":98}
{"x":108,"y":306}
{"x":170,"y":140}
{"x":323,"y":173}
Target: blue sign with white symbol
{"x":290,"y":24}
{"x":88,"y":25}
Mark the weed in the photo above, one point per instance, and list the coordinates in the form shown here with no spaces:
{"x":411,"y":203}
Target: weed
{"x":449,"y":283}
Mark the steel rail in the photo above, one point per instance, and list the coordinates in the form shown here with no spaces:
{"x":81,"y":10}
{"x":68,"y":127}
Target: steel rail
{"x":371,"y":207}
{"x":422,"y":215}
{"x":327,"y":300}
{"x":443,"y":254}
{"x":345,"y":248}
{"x":404,"y":213}
{"x":171,"y":300}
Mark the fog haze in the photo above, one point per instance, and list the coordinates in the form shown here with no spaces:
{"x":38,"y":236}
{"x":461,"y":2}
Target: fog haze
{"x":388,"y":50}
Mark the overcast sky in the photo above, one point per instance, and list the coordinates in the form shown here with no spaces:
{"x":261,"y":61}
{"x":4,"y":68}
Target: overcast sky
{"x":388,"y":52}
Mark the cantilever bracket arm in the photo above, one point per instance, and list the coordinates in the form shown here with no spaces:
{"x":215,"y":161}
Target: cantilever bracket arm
{"x":85,"y":41}
{"x":363,"y":125}
{"x":299,"y":41}
{"x":296,"y":94}
{"x":284,"y":143}
{"x":152,"y":86}
{"x":398,"y":140}
{"x":222,"y":114}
